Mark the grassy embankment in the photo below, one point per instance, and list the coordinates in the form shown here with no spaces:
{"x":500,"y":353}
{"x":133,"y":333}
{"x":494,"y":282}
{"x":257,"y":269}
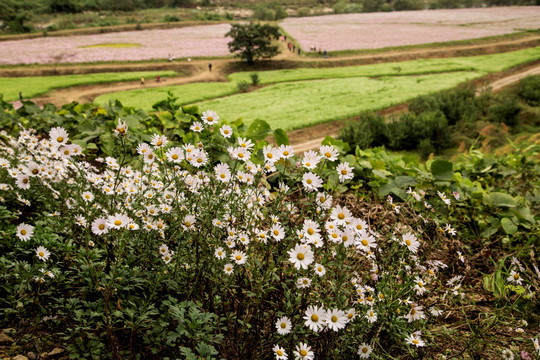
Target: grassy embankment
{"x":37,"y":85}
{"x":292,"y":99}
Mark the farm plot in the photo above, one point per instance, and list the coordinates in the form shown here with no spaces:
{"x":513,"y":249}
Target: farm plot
{"x":295,"y":105}
{"x":207,"y":40}
{"x":187,"y":94}
{"x":379,"y":30}
{"x":487,"y":63}
{"x":36,"y":85}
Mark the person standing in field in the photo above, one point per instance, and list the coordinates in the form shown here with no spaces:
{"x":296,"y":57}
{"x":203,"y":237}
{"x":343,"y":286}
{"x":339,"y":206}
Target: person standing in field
{"x":210,"y":67}
{"x":142,"y":81}
{"x":157,"y":78}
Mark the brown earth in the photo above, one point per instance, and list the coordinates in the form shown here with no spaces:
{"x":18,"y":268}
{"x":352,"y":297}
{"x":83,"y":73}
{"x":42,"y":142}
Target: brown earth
{"x":302,"y":139}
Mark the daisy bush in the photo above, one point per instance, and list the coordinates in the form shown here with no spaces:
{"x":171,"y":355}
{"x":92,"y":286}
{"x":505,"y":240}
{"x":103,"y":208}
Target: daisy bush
{"x":218,"y":245}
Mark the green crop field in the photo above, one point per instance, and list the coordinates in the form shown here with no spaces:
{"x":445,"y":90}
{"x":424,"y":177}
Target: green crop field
{"x":298,"y":104}
{"x":483,"y":63}
{"x":187,"y":94}
{"x":37,"y":85}
{"x":306,"y":96}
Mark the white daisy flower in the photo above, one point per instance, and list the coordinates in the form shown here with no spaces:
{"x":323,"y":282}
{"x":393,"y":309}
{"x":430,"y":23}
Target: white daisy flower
{"x":301,"y":256}
{"x":42,"y":253}
{"x":24,"y":231}
{"x":283,"y":325}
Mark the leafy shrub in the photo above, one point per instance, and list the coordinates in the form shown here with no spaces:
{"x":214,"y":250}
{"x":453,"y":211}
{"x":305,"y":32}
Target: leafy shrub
{"x":529,"y":90}
{"x":254,"y":79}
{"x":171,"y":18}
{"x":368,"y":131}
{"x":243,"y":86}
{"x":505,"y":110}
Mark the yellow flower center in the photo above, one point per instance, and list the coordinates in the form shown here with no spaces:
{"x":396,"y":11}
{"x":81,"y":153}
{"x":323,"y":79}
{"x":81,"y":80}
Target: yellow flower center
{"x":300,"y":256}
{"x":175,"y":157}
{"x":238,"y":257}
{"x":413,"y":311}
{"x":314,"y":317}
{"x":359,"y":227}
{"x":188,"y":224}
{"x":23,"y":232}
{"x":41,"y":253}
{"x":279,"y":352}
{"x":415,"y":342}
{"x":101,"y":226}
{"x":334,"y":318}
{"x":328,"y":155}
{"x":276,"y":232}
{"x":199,"y":160}
{"x":308,"y":164}
{"x":349,"y":316}
{"x":408,"y":242}
{"x":516,"y":276}
{"x":35,"y":171}
{"x":420,"y":284}
{"x":25,"y":181}
{"x":59,"y":139}
{"x":364,"y":350}
{"x":311,"y":231}
{"x":283,"y":325}
{"x":286,"y":153}
{"x":159,"y":143}
{"x":209,"y":118}
{"x":344,"y":172}
{"x":365,"y":242}
{"x":222,"y":176}
{"x":341,"y":216}
{"x":118,"y":222}
{"x":309,"y":181}
{"x":303,"y":352}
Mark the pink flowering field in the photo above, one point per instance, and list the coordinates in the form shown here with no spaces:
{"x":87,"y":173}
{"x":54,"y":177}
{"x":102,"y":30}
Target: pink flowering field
{"x":378,"y":30}
{"x":207,"y":40}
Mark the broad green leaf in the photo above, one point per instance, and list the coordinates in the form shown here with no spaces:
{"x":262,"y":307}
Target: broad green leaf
{"x":499,"y":199}
{"x":508,"y":226}
{"x":180,"y":116}
{"x":281,"y":138}
{"x":258,"y":129}
{"x":442,"y":170}
{"x":193,"y":110}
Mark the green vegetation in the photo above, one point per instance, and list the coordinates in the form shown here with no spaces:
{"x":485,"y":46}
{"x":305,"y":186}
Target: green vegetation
{"x":295,"y":105}
{"x":482,"y":63}
{"x":447,"y":119}
{"x":38,"y":85}
{"x":345,"y":92}
{"x":103,"y":276}
{"x":187,"y":94}
{"x":253,"y":41}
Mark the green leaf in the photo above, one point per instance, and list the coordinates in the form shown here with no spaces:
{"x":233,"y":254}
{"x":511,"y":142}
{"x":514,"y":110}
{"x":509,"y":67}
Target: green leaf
{"x":180,"y":116}
{"x":133,"y":122}
{"x":281,"y":138}
{"x":508,"y":226}
{"x":341,"y":145}
{"x":258,"y":129}
{"x":193,"y":110}
{"x":499,"y":199}
{"x":442,"y":170}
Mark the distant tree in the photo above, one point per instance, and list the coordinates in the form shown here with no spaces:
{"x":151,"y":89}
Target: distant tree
{"x":253,"y":41}
{"x":400,"y":5}
{"x":14,"y":14}
{"x":372,"y":5}
{"x":63,"y":6}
